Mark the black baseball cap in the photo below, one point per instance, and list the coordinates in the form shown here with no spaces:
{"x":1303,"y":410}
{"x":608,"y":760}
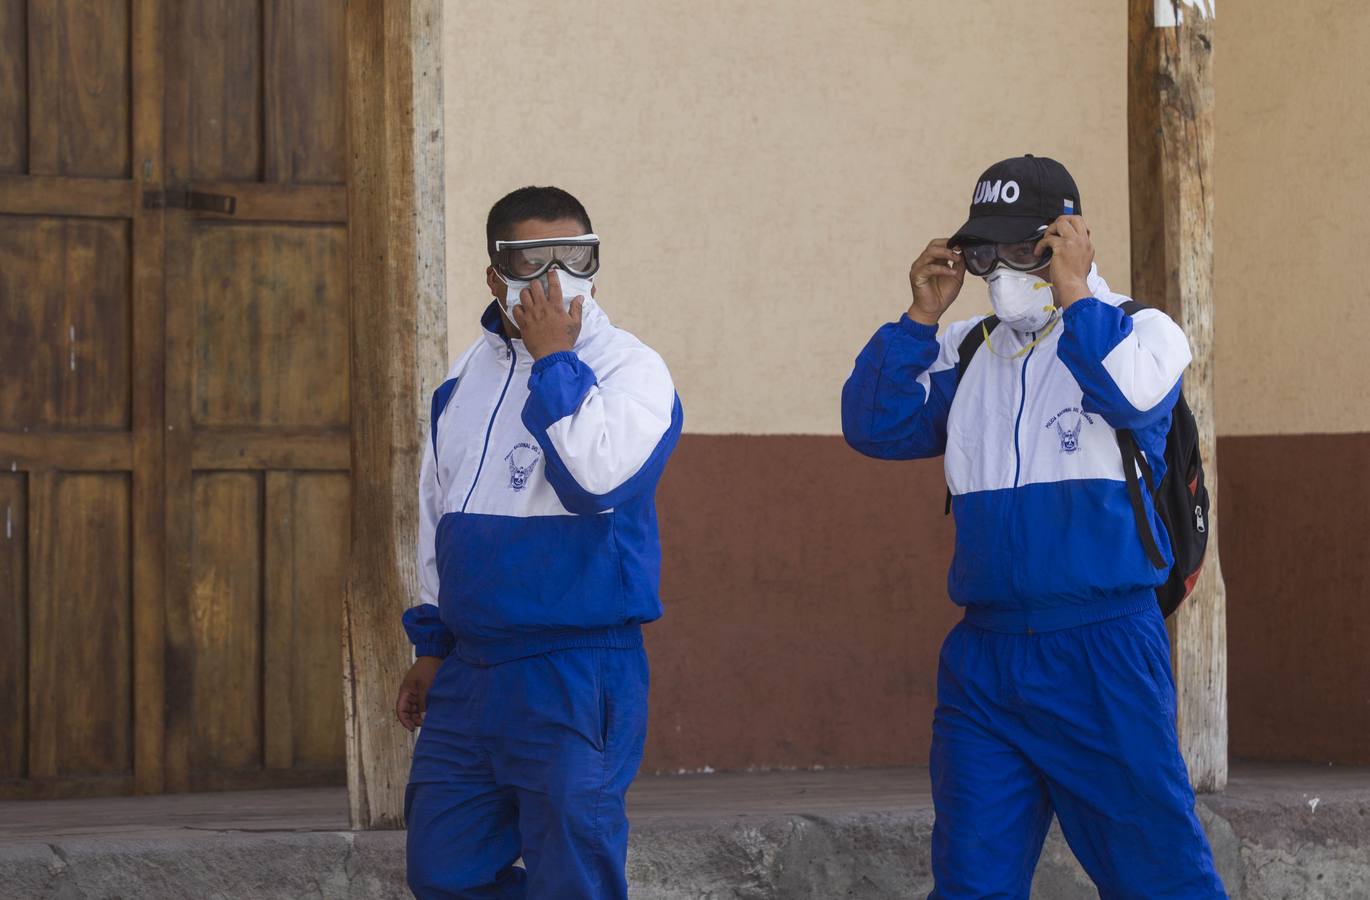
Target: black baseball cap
{"x":1015,"y":198}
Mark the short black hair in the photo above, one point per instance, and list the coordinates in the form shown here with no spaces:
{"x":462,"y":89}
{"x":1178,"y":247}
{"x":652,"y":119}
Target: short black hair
{"x":546,"y":204}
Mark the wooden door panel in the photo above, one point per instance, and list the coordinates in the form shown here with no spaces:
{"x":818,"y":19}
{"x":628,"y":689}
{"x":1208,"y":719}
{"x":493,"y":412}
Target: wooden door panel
{"x":81,"y":93}
{"x":305,"y":91}
{"x":271,"y":336}
{"x":226,"y":623}
{"x":224,"y":38}
{"x":14,"y":106}
{"x":308,"y":528}
{"x":64,"y":325}
{"x":79,"y":88}
{"x":89,"y":630}
{"x":13,"y":625}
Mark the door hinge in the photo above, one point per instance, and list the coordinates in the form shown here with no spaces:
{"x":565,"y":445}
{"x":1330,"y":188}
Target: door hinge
{"x":196,"y":201}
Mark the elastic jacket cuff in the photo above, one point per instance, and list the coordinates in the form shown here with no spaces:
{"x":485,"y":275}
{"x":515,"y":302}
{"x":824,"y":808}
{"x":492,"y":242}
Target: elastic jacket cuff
{"x":917,"y":329}
{"x":551,"y":359}
{"x":439,"y":649}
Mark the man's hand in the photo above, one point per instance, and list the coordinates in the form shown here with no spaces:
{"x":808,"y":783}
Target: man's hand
{"x":1072,"y":253}
{"x":413,"y":699}
{"x":936,"y":277}
{"x":544,"y":322}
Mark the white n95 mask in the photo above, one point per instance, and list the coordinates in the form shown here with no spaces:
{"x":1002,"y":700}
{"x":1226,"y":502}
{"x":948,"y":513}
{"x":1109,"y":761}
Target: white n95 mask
{"x":1022,"y":301}
{"x":571,"y":287}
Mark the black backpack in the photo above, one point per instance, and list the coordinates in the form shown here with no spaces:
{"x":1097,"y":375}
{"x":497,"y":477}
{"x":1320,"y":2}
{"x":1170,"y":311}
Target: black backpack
{"x":1181,"y":499}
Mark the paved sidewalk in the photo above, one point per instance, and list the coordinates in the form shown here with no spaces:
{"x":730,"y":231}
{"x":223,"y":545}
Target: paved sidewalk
{"x":1278,"y":832}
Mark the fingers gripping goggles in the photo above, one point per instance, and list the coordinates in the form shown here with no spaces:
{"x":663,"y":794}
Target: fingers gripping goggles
{"x":527,"y":260}
{"x":1021,"y":256}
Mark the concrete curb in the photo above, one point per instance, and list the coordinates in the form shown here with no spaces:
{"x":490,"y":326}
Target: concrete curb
{"x":1265,"y":850}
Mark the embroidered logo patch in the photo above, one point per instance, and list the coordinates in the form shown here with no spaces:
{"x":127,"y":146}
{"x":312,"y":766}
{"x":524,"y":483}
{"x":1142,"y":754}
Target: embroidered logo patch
{"x":1068,"y":431}
{"x":523,"y":459}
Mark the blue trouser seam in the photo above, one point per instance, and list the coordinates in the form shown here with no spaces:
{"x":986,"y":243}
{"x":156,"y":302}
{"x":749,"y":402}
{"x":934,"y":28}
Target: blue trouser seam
{"x":604,"y":754}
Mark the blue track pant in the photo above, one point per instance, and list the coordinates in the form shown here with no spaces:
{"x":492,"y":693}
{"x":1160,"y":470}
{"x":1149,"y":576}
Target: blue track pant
{"x":527,"y":758}
{"x":1080,"y":722}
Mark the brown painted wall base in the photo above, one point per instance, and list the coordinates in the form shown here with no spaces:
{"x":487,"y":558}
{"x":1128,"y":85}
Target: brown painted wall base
{"x":1295,"y":519}
{"x":805,"y":593}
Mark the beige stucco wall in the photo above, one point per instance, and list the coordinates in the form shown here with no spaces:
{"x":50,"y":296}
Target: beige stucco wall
{"x":762,"y":173}
{"x":1293,"y":221}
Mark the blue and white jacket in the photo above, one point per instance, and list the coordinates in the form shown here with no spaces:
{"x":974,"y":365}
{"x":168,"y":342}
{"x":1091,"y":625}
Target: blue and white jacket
{"x":1045,"y":533}
{"x":537,"y":517}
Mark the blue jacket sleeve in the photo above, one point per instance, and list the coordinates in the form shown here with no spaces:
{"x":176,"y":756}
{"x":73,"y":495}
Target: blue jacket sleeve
{"x":605,"y":439}
{"x":895,"y":403}
{"x":1128,"y":367}
{"x":426,"y":632}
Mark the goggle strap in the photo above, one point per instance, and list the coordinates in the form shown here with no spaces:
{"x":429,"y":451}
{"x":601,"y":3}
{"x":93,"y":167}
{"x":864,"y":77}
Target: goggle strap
{"x":579,"y":240}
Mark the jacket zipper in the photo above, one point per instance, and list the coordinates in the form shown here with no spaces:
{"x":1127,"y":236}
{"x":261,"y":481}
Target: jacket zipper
{"x":1018,"y":423}
{"x":1018,"y":468}
{"x":490,"y":427}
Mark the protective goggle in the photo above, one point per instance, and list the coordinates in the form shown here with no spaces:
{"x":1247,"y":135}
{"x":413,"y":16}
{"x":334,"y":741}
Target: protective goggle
{"x":526,"y":260}
{"x":1022,"y":256}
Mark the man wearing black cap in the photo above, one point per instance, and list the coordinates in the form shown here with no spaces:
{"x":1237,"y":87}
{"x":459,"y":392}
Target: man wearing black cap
{"x":1054,"y":692}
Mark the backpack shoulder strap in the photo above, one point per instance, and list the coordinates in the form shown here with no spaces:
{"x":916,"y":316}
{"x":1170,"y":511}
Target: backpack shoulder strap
{"x":965,"y":351}
{"x":1134,"y":459}
{"x":971,"y":342}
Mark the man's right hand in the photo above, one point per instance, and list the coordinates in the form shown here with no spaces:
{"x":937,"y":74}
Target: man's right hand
{"x":936,"y":278}
{"x":413,"y":699}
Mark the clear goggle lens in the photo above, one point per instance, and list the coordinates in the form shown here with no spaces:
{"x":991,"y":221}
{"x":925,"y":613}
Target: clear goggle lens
{"x":526,"y":260}
{"x":981,"y":259}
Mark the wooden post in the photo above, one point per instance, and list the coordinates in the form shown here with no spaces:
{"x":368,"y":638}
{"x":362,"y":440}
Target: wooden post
{"x":398,"y":350}
{"x":1170,"y":167}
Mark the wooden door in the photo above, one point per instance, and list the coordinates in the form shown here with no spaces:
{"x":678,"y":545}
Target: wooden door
{"x":174,"y":431}
{"x":80,"y":411}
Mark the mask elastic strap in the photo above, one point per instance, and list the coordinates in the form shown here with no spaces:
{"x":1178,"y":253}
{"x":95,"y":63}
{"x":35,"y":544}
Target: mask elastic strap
{"x":500,"y":300}
{"x":1040,"y":337}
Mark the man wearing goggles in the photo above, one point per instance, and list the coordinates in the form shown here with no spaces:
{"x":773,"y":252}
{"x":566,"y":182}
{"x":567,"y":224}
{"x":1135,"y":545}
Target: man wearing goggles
{"x":538,"y":565}
{"x":1054,"y":693}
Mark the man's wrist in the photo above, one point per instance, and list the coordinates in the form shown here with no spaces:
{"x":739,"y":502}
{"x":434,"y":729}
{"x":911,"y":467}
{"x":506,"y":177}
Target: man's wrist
{"x":1070,"y":292}
{"x":923,"y":318}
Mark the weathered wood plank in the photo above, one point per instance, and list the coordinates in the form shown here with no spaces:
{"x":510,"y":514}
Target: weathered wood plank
{"x":40,"y":450}
{"x":89,"y":636}
{"x":44,"y":131}
{"x":148,"y":367}
{"x":305,"y":74}
{"x":80,"y":671}
{"x":225,"y":622}
{"x":322,"y":532}
{"x":271,"y":326}
{"x":14,"y":629}
{"x":178,"y":330}
{"x":389,"y":351}
{"x":279,"y":650}
{"x":1170,"y":163}
{"x":79,"y":78}
{"x":43,"y":625}
{"x":64,"y":328}
{"x":55,"y":195}
{"x":14,"y":89}
{"x":224,"y":38}
{"x":306,"y":572}
{"x":299,"y":204}
{"x":241,"y":448}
